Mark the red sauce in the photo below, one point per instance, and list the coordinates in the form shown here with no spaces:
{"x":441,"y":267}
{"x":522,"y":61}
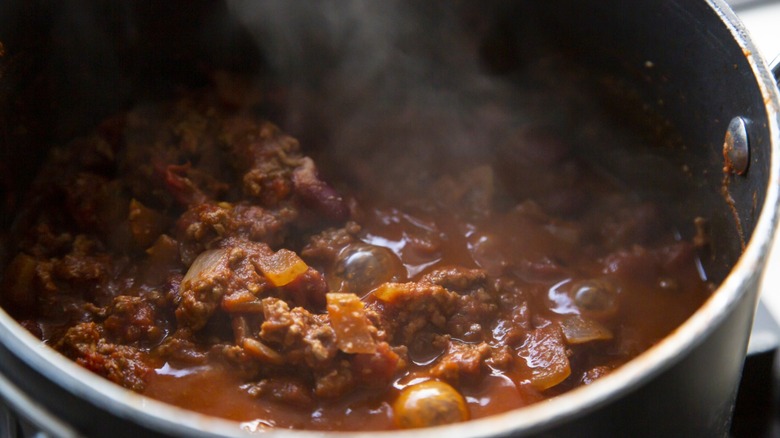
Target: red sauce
{"x":163,"y":270}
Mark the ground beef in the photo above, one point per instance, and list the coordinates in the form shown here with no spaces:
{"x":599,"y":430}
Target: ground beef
{"x":462,"y":361}
{"x":203,"y":225}
{"x":308,"y":342}
{"x":457,"y":278}
{"x":265,"y":154}
{"x":85,"y":343}
{"x":283,"y":389}
{"x":323,"y":248}
{"x":301,"y":336}
{"x":192,"y":247}
{"x":221,"y":272}
{"x":411,"y":307}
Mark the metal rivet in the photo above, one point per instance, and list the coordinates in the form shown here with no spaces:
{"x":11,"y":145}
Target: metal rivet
{"x":736,"y":151}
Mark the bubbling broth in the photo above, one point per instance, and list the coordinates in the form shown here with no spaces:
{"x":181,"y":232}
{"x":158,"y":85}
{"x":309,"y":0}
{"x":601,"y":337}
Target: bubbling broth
{"x":192,"y":251}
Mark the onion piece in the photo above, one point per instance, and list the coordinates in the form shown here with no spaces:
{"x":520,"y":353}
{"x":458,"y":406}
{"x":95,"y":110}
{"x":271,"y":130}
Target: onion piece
{"x":579,"y":330}
{"x":241,"y":301}
{"x":349,"y":321}
{"x":389,"y":292}
{"x":281,"y":268}
{"x":544,"y":354}
{"x":205,"y":264}
{"x":263,"y":352}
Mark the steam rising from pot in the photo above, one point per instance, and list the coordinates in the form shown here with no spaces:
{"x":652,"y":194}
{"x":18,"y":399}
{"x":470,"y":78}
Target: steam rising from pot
{"x":369,"y":82}
{"x":385,"y":79}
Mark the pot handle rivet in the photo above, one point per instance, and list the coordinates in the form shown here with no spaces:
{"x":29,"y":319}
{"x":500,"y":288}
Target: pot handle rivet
{"x":736,"y":151}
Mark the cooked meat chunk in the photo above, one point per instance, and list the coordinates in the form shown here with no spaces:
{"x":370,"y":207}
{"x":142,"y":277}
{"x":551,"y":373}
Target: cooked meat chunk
{"x":324,"y":248}
{"x":121,"y":364}
{"x":461,"y":362}
{"x":407,"y":308}
{"x":284,"y":389}
{"x":457,"y":278}
{"x":216,"y":273}
{"x":134,"y":320}
{"x":300,"y":336}
{"x":204,"y":225}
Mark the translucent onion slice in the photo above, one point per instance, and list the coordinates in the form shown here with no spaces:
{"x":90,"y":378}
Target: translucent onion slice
{"x":579,"y":330}
{"x":544,"y":354}
{"x":207,"y":263}
{"x":262,"y":351}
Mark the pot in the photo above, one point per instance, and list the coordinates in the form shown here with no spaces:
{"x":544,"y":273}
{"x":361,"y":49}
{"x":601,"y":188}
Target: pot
{"x":65,"y":67}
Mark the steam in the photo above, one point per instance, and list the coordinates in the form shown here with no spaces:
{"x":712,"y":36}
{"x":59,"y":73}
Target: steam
{"x":384,"y":80}
{"x":399,"y":95}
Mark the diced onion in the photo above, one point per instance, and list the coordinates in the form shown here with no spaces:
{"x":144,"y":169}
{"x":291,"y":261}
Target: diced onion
{"x":579,"y":330}
{"x":262,"y":351}
{"x":283,"y":267}
{"x":349,"y":321}
{"x":206,"y":263}
{"x":389,"y":292}
{"x":241,"y":301}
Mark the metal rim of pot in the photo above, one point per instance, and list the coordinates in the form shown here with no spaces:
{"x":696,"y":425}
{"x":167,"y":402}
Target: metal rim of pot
{"x":168,"y":419}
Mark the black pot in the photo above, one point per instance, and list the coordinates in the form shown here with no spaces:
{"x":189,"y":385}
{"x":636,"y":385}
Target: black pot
{"x":65,"y":67}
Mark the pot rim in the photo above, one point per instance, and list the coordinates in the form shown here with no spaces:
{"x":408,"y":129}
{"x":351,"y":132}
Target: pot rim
{"x":172,"y":420}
